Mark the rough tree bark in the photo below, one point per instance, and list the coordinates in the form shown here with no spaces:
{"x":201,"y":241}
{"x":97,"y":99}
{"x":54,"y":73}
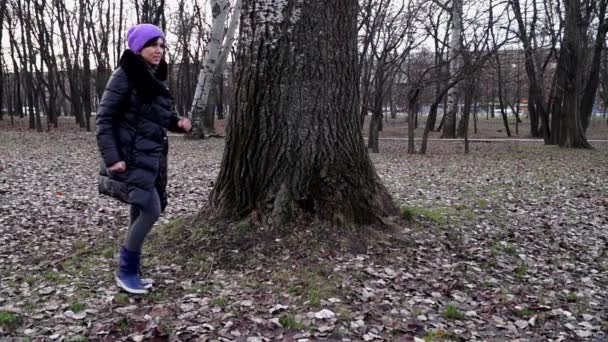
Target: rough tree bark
{"x":572,"y":80}
{"x":2,"y":10}
{"x":293,"y":143}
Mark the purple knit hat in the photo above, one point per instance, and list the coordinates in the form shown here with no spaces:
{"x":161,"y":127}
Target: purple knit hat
{"x":139,"y":35}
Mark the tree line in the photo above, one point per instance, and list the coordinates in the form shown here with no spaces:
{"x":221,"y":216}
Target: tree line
{"x":447,"y":54}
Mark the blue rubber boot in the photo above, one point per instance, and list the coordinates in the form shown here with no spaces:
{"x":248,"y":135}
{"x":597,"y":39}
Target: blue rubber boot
{"x":127,"y":277}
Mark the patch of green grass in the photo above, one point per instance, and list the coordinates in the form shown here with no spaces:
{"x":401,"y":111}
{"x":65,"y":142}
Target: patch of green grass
{"x":77,"y":307}
{"x":201,"y":288}
{"x":314,"y":287}
{"x":252,"y":284}
{"x":169,"y":234}
{"x":200,"y":233}
{"x":440,"y":335}
{"x":314,"y":296}
{"x":80,"y":245}
{"x":30,"y":280}
{"x":452,"y":312}
{"x":51,"y":276}
{"x":78,"y":338}
{"x":157,"y":296}
{"x":10,"y":320}
{"x":123,"y":326}
{"x":164,"y":327}
{"x":412,"y":214}
{"x":243,"y":227}
{"x":219,"y":301}
{"x":108,"y":252}
{"x":487,"y":266}
{"x":572,"y":297}
{"x":54,"y":277}
{"x":525,"y":313}
{"x":289,"y":322}
{"x":509,"y":249}
{"x":482,"y":203}
{"x":521,"y":270}
{"x":121,"y":299}
{"x":436,"y":215}
{"x":497,"y":249}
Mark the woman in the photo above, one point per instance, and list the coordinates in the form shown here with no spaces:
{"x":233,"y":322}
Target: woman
{"x":133,"y":116}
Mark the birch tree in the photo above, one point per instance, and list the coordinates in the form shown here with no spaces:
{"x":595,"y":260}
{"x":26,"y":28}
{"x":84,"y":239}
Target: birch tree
{"x":202,"y":120}
{"x":294,"y":145}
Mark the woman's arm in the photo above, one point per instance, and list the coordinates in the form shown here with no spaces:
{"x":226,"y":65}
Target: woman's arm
{"x":164,"y":117}
{"x":110,"y":107}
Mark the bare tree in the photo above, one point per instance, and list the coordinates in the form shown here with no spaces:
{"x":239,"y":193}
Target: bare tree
{"x":576,"y":84}
{"x":390,"y":46}
{"x":536,"y":64}
{"x":150,"y":11}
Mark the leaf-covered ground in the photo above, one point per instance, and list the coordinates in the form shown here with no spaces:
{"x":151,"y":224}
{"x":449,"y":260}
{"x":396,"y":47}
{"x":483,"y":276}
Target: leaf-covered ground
{"x":507,"y":243}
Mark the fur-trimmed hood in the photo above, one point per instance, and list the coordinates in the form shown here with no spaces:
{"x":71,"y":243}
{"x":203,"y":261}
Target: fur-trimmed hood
{"x":139,"y":74}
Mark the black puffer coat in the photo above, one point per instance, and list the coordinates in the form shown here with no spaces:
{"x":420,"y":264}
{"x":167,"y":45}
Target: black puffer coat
{"x":133,"y":116}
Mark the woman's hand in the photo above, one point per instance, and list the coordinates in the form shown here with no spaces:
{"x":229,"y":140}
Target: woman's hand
{"x":184,"y":124}
{"x":119,"y":167}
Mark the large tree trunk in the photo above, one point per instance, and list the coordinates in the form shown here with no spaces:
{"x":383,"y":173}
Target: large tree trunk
{"x":294,"y":144}
{"x":571,"y":80}
{"x":454,"y":94}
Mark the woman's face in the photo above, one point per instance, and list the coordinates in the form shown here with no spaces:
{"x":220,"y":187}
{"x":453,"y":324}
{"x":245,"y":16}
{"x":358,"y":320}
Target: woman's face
{"x":154,"y":53}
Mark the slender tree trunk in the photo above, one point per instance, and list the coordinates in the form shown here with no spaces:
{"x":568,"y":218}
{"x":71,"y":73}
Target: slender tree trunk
{"x":375,"y":124}
{"x":411,"y":120}
{"x":454,"y":94}
{"x":430,"y":122}
{"x":392,"y":102}
{"x":536,"y":107}
{"x":593,"y":80}
{"x":202,"y":120}
{"x":292,"y":146}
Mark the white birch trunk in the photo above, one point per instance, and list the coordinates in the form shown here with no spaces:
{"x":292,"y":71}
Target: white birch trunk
{"x":453,"y":97}
{"x":230,"y":35}
{"x":218,"y":74}
{"x":201,"y":125}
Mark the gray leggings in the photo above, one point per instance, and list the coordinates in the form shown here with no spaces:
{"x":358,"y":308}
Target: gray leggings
{"x":142,"y":218}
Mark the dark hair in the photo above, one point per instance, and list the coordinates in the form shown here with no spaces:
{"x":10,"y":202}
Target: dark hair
{"x":153,"y":41}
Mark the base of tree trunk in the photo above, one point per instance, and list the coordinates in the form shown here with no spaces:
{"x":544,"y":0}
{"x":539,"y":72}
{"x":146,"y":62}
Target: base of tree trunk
{"x":237,"y":243}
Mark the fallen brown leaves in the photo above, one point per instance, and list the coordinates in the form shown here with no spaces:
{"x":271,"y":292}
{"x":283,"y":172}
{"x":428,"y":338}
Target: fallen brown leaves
{"x":508,"y":243}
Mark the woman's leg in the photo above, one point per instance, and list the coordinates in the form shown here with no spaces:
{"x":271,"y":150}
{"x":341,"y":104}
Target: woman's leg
{"x":143,"y":219}
{"x":133,"y":214}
